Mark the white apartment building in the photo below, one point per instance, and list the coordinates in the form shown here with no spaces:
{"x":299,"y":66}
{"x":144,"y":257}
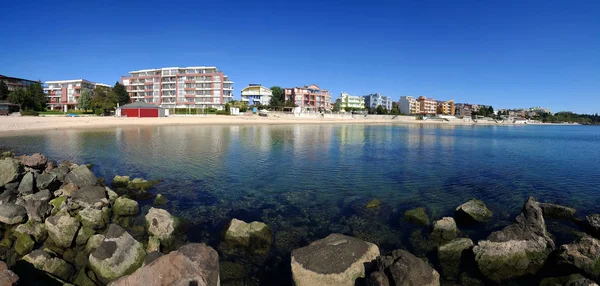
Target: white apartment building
{"x":256,"y":94}
{"x":63,"y":94}
{"x":351,"y":101}
{"x":177,"y":87}
{"x":409,"y":105}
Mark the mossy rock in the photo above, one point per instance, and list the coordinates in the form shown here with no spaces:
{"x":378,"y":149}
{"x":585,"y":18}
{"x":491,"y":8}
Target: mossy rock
{"x":141,"y":184}
{"x":83,"y":235}
{"x":574,"y":279}
{"x":125,"y":207}
{"x":417,"y":216}
{"x":120,"y":181}
{"x":160,"y":200}
{"x":24,"y":244}
{"x":81,"y":279}
{"x":69,"y":255}
{"x":373,"y":204}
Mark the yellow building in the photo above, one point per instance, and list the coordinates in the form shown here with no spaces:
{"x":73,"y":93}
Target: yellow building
{"x":446,"y":107}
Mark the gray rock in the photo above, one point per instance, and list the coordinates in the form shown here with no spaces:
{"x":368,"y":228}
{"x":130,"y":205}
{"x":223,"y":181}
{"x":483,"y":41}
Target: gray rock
{"x":592,"y":224}
{"x":161,"y":224}
{"x":62,"y":230}
{"x":583,"y":255}
{"x":36,"y":229}
{"x":36,"y":205}
{"x":473,"y":211}
{"x":26,"y":185}
{"x":8,"y":196}
{"x":48,"y":181}
{"x":93,"y":242}
{"x":92,"y":218}
{"x":53,"y":265}
{"x":334,"y":260}
{"x":450,"y":256}
{"x":378,"y":278}
{"x":444,"y":230}
{"x":12,"y":214}
{"x":35,"y":161}
{"x":403,"y":268}
{"x":571,"y":280}
{"x":125,"y":207}
{"x":90,"y":196}
{"x":81,"y":177}
{"x":255,"y":237}
{"x":557,"y":211}
{"x":9,"y":170}
{"x":118,"y":255}
{"x":83,"y":235}
{"x":13,"y":187}
{"x":60,"y":172}
{"x":151,"y":257}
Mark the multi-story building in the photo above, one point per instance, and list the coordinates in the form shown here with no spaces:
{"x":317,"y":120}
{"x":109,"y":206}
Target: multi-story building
{"x":427,"y":105}
{"x":64,"y":93}
{"x":351,"y":101}
{"x":14,"y":83}
{"x":409,"y":105}
{"x":310,"y":97}
{"x":376,"y":99}
{"x":464,"y":110}
{"x":256,"y":94}
{"x":178,"y":87}
{"x":446,"y":107}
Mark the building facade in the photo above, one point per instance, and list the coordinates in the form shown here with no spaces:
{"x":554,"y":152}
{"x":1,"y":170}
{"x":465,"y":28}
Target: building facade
{"x":409,"y":105}
{"x":178,"y":87}
{"x":464,"y":110}
{"x":446,"y":107}
{"x":14,"y":83}
{"x":427,"y":105}
{"x":351,"y":101}
{"x":256,"y":94}
{"x":311,"y":97}
{"x":63,"y":94}
{"x":376,"y":99}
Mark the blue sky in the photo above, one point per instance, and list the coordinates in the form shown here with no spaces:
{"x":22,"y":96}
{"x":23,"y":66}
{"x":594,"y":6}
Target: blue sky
{"x":504,"y":53}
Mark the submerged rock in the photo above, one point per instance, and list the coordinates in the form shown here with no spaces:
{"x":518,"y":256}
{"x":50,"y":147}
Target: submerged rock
{"x":519,"y":249}
{"x":27,"y":184}
{"x":373,"y":204}
{"x":444,"y":230}
{"x":125,"y":207}
{"x":118,"y":255}
{"x":12,"y":214}
{"x":583,"y":255}
{"x":417,"y":216}
{"x":557,"y":211}
{"x":255,"y":237}
{"x":192,"y":264}
{"x":450,"y":256}
{"x":120,"y":181}
{"x":140,"y":184}
{"x":35,"y":161}
{"x":9,"y":170}
{"x":160,"y":200}
{"x":403,"y":268}
{"x":334,"y":260}
{"x":473,"y":211}
{"x":7,"y":277}
{"x":81,"y":177}
{"x":62,"y":230}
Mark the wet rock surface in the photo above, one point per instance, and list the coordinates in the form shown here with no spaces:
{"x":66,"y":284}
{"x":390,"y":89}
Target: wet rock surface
{"x":472,"y":212}
{"x":403,"y":268}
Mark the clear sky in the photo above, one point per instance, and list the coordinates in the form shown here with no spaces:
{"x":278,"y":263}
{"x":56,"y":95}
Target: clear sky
{"x":504,"y":53}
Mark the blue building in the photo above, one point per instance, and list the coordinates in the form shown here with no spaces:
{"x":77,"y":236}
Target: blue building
{"x":376,"y":99}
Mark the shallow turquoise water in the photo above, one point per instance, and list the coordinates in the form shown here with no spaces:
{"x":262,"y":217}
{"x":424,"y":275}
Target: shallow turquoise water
{"x":307,"y":181}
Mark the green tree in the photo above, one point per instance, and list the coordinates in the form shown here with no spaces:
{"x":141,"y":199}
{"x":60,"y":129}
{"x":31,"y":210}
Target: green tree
{"x":104,"y":100}
{"x":227,"y":108}
{"x":85,"y":100}
{"x":3,"y":90}
{"x":122,"y":94}
{"x":19,"y":96}
{"x":32,"y":98}
{"x":381,"y":110}
{"x":277,"y":99}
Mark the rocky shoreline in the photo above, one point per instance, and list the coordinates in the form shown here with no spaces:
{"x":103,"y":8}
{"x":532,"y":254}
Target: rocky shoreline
{"x":61,"y":224}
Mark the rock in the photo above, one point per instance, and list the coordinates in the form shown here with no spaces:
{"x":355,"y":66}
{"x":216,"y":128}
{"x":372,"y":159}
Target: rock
{"x":7,"y":277}
{"x":153,"y":245}
{"x":120,"y":181}
{"x":519,"y":249}
{"x":161,"y":224}
{"x":62,"y":230}
{"x":450,"y":256}
{"x":468,"y":280}
{"x":48,"y":181}
{"x":334,"y":260}
{"x":473,"y":211}
{"x":53,"y":265}
{"x":571,"y":280}
{"x":444,"y":230}
{"x":192,"y":264}
{"x":36,"y":205}
{"x":583,"y":255}
{"x":592,"y":224}
{"x":26,"y":185}
{"x":255,"y":237}
{"x":403,"y":268}
{"x":8,"y":196}
{"x":378,"y":278}
{"x":81,"y":177}
{"x":231,"y":273}
{"x":112,"y":195}
{"x":9,"y":170}
{"x":83,"y":235}
{"x":13,"y":187}
{"x":373,"y":204}
{"x":557,"y":211}
{"x":12,"y":214}
{"x":417,"y":216}
{"x":139,"y":184}
{"x":24,"y":244}
{"x":93,"y":242}
{"x":50,"y":165}
{"x":92,"y":218}
{"x":57,"y":204}
{"x":60,"y":172}
{"x":68,"y":189}
{"x":90,"y":196}
{"x":125,"y":207}
{"x":81,"y":279}
{"x":35,"y":161}
{"x":35,"y":229}
{"x":118,"y":255}
{"x":160,"y":200}
{"x":151,"y":257}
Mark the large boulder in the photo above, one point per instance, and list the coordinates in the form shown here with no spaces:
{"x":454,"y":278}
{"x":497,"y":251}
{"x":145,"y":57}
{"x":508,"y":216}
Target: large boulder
{"x":37,"y":205}
{"x":7,"y":277}
{"x":92,"y":218}
{"x":583,"y":255}
{"x":192,"y":264}
{"x":118,"y":255}
{"x":254,"y":237}
{"x":450,"y":256}
{"x":473,"y":211}
{"x":62,"y":229}
{"x":519,"y":249}
{"x":53,"y":265}
{"x":90,"y":196}
{"x":417,"y":216}
{"x":444,"y":230}
{"x":81,"y":177}
{"x":35,"y":161}
{"x":125,"y":207}
{"x":12,"y":214}
{"x":557,"y":211}
{"x":161,"y":224}
{"x":48,"y":181}
{"x":27,"y":184}
{"x":334,"y":260}
{"x":9,"y":170}
{"x":403,"y":268}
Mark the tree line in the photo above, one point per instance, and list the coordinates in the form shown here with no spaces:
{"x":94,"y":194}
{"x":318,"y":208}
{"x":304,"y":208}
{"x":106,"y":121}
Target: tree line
{"x":568,"y":117}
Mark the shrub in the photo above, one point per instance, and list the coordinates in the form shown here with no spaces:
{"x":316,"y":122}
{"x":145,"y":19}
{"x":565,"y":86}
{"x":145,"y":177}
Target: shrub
{"x":29,"y":113}
{"x":222,"y":112}
{"x":99,"y":111}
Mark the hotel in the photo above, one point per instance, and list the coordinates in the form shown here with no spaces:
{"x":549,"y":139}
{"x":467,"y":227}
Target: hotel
{"x":310,"y":97}
{"x":14,"y":83}
{"x":376,"y":99}
{"x":446,"y":107}
{"x":350,"y":101}
{"x":427,"y":105}
{"x":409,"y":105}
{"x":63,"y":94}
{"x":177,"y":87}
{"x":256,"y":94}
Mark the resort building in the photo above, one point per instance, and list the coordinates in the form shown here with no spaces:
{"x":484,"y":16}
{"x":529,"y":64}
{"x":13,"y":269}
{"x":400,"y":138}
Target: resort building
{"x":376,"y":99}
{"x":446,"y":107}
{"x":427,"y":105}
{"x":14,"y":83}
{"x":464,"y":110}
{"x":311,"y":97}
{"x":63,"y":94}
{"x":178,"y":87}
{"x":256,"y":94}
{"x":409,"y":105}
{"x":350,"y":101}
